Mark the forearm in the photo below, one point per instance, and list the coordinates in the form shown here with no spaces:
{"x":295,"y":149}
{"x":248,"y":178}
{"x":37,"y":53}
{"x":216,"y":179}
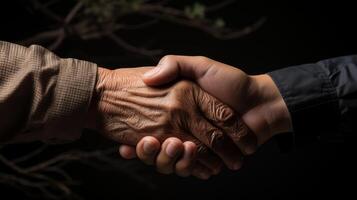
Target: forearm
{"x":320,"y":96}
{"x":42,"y":97}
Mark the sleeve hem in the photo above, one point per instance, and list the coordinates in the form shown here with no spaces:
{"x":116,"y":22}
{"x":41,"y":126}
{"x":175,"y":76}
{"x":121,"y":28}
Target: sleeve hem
{"x":73,"y":94}
{"x":308,"y":92}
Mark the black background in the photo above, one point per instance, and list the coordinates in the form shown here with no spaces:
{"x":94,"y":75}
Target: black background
{"x":296,"y":32}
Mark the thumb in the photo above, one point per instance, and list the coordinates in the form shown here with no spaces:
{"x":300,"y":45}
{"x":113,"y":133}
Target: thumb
{"x":218,"y":79}
{"x":171,"y":67}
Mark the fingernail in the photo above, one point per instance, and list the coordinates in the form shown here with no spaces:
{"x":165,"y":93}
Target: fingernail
{"x":204,"y":176}
{"x":171,"y":150}
{"x":148,"y":148}
{"x":152,"y":72}
{"x":236,"y":165}
{"x":250,"y":150}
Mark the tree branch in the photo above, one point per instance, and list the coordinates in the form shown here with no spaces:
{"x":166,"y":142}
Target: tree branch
{"x":139,"y":26}
{"x":179,"y":17}
{"x":41,"y":176}
{"x":73,"y":12}
{"x":42,"y":37}
{"x":219,"y":5}
{"x":30,"y":155}
{"x":58,"y":41}
{"x":47,"y":12}
{"x":119,"y":41}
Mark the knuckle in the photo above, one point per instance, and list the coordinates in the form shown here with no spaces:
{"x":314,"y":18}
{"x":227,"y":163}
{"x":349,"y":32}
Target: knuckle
{"x":177,"y":114}
{"x":203,"y":59}
{"x":190,"y":146}
{"x":216,"y":139}
{"x":184,"y":86}
{"x":168,"y":59}
{"x":240,"y":132}
{"x":245,"y":139}
{"x":224,"y":114}
{"x":174,"y":108}
{"x":136,"y":123}
{"x":202,"y":150}
{"x":174,"y":140}
{"x":121,"y":137}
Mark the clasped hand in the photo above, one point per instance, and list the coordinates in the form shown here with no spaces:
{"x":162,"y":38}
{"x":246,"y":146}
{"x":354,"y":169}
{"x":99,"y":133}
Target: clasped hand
{"x":178,"y":125}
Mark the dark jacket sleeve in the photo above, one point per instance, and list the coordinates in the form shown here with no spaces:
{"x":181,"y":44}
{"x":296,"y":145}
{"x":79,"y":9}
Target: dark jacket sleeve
{"x":321,"y":97}
{"x":42,"y":96}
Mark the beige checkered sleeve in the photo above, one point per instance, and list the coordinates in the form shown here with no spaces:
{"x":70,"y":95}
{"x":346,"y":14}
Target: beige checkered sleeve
{"x":42,"y":96}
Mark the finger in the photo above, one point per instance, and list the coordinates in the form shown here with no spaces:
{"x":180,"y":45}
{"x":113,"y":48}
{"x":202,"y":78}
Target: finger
{"x":225,"y":118}
{"x":201,"y":172}
{"x":171,"y":150}
{"x":203,"y":154}
{"x":208,"y":159}
{"x":217,"y":141}
{"x":242,"y":136}
{"x":201,"y":70}
{"x":127,"y":152}
{"x":185,"y":164}
{"x":172,"y":66}
{"x":147,"y":149}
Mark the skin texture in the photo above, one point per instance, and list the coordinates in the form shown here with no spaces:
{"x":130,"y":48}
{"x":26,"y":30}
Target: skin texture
{"x":194,"y":123}
{"x":255,"y":98}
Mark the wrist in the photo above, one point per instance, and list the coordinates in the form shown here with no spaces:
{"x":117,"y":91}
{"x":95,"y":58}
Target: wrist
{"x":271,"y":105}
{"x":93,"y":114}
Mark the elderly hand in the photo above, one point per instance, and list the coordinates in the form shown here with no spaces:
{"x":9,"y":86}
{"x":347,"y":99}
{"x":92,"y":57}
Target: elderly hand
{"x":255,"y":98}
{"x":125,"y":110}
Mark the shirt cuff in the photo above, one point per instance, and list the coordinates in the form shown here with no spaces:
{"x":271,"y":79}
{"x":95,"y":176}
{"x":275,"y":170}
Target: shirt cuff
{"x":311,"y":100}
{"x":73,"y":94}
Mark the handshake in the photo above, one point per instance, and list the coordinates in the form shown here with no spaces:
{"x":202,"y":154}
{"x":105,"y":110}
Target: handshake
{"x":188,"y":115}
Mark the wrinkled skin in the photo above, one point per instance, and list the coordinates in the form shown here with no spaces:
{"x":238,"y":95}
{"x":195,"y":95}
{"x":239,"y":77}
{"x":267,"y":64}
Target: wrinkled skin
{"x":126,"y":110}
{"x":256,"y":99}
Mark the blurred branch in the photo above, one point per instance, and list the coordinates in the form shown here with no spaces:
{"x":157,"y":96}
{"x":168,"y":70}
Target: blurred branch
{"x":43,"y":8}
{"x":50,"y":3}
{"x":119,"y":41}
{"x":57,"y":35}
{"x":47,"y":178}
{"x":90,"y":23}
{"x":60,"y":38}
{"x":179,"y":17}
{"x":73,"y":12}
{"x":139,"y":26}
{"x":70,"y":156}
{"x":219,"y":5}
{"x":30,"y":154}
{"x":42,"y":37}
